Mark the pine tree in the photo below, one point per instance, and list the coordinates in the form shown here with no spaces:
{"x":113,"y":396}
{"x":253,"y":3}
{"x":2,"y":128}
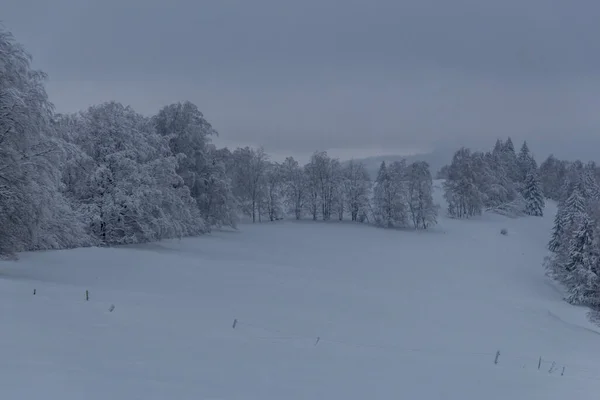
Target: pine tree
{"x":589,"y":184}
{"x":552,"y":174}
{"x":557,"y":231}
{"x":581,"y":280}
{"x":532,"y":193}
{"x":525,"y":161}
{"x":574,"y":208}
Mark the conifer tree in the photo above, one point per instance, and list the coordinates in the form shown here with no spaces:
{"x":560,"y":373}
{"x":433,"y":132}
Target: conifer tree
{"x":580,"y":278}
{"x":557,"y":231}
{"x":532,"y":192}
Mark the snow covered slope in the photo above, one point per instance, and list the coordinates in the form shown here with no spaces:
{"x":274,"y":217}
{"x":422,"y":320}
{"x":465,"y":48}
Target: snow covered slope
{"x":324,"y":311}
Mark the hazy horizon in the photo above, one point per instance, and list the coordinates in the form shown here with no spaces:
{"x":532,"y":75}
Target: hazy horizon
{"x":350,"y":77}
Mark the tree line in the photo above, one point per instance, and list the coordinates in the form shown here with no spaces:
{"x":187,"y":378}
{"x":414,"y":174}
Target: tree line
{"x":109,"y":175}
{"x":503,"y":181}
{"x":575,"y":239}
{"x":499,"y":180}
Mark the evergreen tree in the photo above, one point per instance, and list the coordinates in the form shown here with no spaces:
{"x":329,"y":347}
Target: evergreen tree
{"x":575,"y":207}
{"x":510,"y":162}
{"x":557,"y":231}
{"x":580,"y":278}
{"x":526,"y":162}
{"x":589,"y":183}
{"x":552,"y":174}
{"x":533,"y":195}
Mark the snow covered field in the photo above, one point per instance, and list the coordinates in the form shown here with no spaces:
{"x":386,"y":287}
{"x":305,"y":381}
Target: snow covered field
{"x":324,"y":311}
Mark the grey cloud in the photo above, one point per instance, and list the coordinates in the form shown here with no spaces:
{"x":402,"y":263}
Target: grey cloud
{"x":320,"y":74}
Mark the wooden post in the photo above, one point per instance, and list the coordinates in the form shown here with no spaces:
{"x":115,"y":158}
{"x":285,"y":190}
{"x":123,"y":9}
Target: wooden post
{"x":497,"y":355}
{"x":87,"y":296}
{"x":563,"y":372}
{"x":34,"y":292}
{"x":540,"y":363}
{"x":234,"y":323}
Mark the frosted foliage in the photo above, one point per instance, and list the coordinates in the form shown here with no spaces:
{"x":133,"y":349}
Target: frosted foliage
{"x":390,"y":196}
{"x":462,"y":194}
{"x":295,"y":188}
{"x":324,"y":176}
{"x":420,"y":196}
{"x":249,"y":174}
{"x":532,"y":192}
{"x":33,"y":214}
{"x":200,"y":165}
{"x":131,"y":192}
{"x":356,"y":186}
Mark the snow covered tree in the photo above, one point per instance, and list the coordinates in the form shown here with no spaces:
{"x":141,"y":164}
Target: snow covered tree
{"x":294,"y":187}
{"x":589,"y":183}
{"x":581,"y":267}
{"x":33,"y":212}
{"x":356,"y":187}
{"x":250,"y":167}
{"x":557,"y":231}
{"x":573,"y":179}
{"x":460,"y":189}
{"x":274,"y":182}
{"x":574,"y":208}
{"x":389,"y":196}
{"x":510,"y":161}
{"x":565,"y":220}
{"x":420,"y":200}
{"x":532,"y":192}
{"x":131,"y":191}
{"x":312,"y":189}
{"x":189,"y":137}
{"x":216,"y":200}
{"x":525,"y":162}
{"x":491,"y":180}
{"x":552,"y":173}
{"x":324,"y":175}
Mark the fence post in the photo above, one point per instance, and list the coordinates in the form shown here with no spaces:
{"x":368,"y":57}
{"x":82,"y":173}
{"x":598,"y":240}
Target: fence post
{"x":540,"y":363}
{"x":87,"y":296}
{"x":497,"y":355}
{"x":234,"y":323}
{"x":563,"y":372}
{"x":34,"y":292}
{"x":318,"y":339}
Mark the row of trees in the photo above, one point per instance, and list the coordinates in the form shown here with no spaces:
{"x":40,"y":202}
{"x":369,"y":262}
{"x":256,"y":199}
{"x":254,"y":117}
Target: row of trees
{"x":108,"y":175}
{"x":499,"y":180}
{"x":575,"y":240}
{"x":326,"y":189}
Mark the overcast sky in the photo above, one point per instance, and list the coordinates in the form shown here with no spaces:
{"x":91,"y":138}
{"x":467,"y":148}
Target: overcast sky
{"x":354,"y":77}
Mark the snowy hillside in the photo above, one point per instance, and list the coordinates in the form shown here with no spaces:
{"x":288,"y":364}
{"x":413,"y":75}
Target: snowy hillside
{"x":324,"y":311}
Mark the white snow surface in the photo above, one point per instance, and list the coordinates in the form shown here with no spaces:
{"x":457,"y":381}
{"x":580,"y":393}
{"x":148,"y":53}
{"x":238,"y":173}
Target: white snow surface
{"x":324,"y":311}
